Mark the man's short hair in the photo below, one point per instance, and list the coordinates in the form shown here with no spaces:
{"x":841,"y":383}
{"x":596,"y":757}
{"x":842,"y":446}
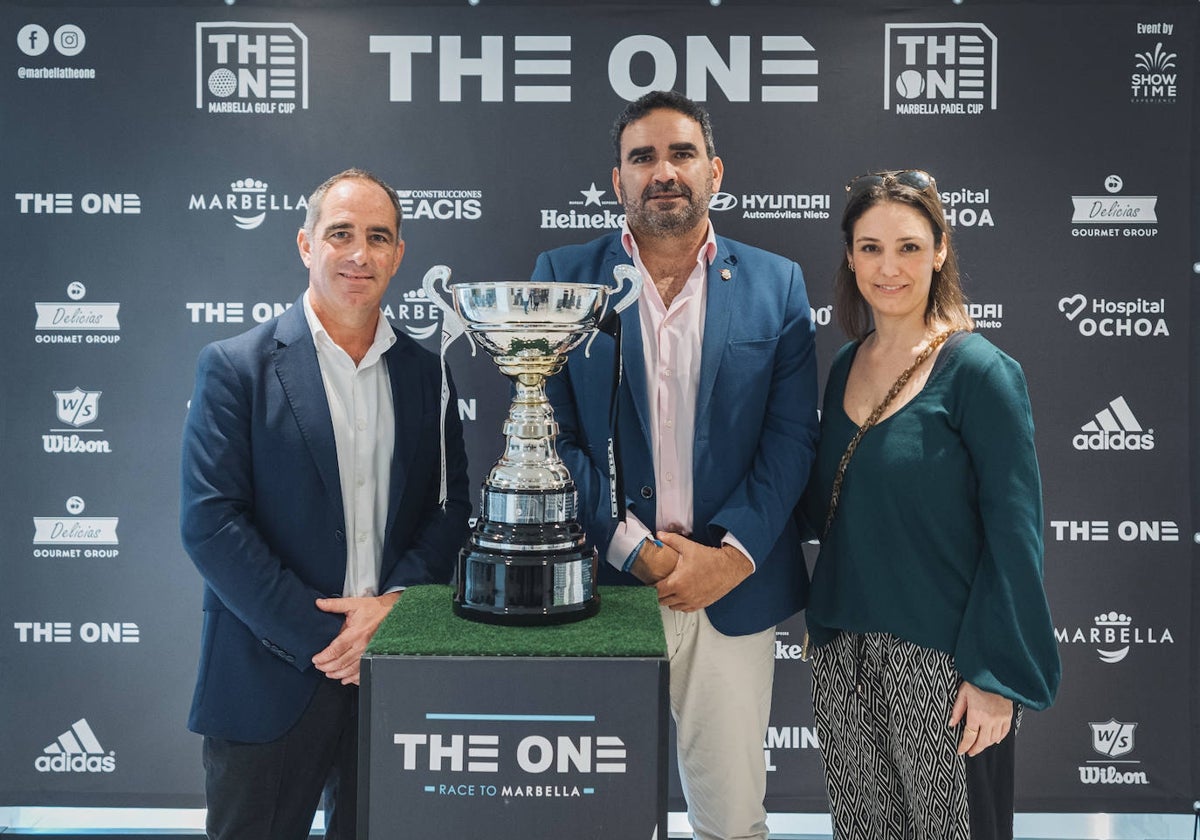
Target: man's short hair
{"x":671,"y":100}
{"x":318,"y":197}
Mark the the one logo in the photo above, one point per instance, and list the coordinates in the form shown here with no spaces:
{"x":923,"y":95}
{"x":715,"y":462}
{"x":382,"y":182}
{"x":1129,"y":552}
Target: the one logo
{"x":90,"y":632}
{"x":67,"y":322}
{"x":1154,"y":78}
{"x":1113,"y":635}
{"x":248,"y":200}
{"x":1112,"y":739}
{"x":518,"y":749}
{"x":251,"y":68}
{"x":1115,"y":428}
{"x":1106,"y":318}
{"x":580,"y":217}
{"x":939,"y":68}
{"x":64,"y":204}
{"x":1127,"y":530}
{"x":76,"y":751}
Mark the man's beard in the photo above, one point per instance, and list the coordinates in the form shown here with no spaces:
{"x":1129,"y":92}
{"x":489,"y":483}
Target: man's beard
{"x":643,"y":219}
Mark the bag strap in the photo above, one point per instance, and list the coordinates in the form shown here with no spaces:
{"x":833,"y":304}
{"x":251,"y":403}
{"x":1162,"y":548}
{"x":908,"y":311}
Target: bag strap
{"x":896,"y":388}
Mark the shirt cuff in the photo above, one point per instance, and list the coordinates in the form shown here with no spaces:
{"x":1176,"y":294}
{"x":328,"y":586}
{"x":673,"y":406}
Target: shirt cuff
{"x":730,"y":539}
{"x":626,"y":539}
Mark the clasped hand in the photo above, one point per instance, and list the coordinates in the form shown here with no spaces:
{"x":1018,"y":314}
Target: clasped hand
{"x":340,"y":660}
{"x":687,"y":575}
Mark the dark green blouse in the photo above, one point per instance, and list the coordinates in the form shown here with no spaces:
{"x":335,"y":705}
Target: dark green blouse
{"x":937,"y":538}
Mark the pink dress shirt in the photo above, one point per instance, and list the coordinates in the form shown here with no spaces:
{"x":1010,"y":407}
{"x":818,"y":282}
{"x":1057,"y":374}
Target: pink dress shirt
{"x":671,"y":340}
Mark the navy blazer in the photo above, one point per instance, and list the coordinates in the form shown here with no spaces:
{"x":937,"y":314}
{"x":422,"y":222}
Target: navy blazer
{"x":756,"y":421}
{"x":262,"y":516}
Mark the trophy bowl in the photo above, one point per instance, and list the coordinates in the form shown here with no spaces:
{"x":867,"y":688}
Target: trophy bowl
{"x":528,"y":561}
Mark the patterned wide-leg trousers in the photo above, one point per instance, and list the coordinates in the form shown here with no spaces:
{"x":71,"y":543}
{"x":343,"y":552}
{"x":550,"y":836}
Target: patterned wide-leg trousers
{"x":891,"y":763}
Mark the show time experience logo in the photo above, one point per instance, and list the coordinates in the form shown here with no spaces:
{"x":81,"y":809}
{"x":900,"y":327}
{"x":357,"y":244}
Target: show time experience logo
{"x":1155,"y":78}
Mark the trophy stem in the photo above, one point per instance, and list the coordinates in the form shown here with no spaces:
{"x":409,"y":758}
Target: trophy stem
{"x":530,"y":460}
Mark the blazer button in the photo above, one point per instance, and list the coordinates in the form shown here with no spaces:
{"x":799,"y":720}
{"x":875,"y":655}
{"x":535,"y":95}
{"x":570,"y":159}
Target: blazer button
{"x":339,"y":536}
{"x":647,"y":492}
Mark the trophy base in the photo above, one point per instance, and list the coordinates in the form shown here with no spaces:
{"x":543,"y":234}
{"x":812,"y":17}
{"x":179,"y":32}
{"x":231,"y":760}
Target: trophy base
{"x":521,"y":589}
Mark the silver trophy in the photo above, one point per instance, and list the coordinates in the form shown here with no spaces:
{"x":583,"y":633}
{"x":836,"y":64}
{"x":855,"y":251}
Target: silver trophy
{"x":528,"y":560}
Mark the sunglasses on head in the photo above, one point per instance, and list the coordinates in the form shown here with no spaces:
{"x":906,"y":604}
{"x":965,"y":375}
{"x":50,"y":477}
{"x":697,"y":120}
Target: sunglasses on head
{"x":918,"y":179}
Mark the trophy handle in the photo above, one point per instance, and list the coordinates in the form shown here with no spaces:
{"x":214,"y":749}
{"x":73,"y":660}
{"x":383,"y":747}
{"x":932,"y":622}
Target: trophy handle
{"x":452,"y":325}
{"x":622,"y":273}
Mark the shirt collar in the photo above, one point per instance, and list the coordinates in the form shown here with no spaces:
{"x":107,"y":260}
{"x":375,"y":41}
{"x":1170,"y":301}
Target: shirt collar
{"x":707,"y":252}
{"x":385,"y":336}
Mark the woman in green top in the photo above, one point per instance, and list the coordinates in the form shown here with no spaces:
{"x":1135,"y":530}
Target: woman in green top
{"x":927,"y":609}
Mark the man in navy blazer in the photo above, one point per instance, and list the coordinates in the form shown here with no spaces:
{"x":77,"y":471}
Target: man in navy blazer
{"x":716,"y":430}
{"x":312,"y":493}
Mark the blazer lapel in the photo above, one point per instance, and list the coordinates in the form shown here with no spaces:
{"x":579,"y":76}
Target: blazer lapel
{"x":722,"y":297}
{"x":407,"y":409}
{"x":300,"y":376}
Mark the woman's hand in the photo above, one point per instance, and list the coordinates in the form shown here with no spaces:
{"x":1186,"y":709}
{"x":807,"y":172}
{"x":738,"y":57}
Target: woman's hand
{"x":987,"y":718}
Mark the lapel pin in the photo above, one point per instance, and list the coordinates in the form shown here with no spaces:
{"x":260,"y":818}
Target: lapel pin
{"x":726,"y":274}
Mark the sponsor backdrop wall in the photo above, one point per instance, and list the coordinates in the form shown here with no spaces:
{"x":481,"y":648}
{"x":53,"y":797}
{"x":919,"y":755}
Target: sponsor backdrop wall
{"x":157,"y":160}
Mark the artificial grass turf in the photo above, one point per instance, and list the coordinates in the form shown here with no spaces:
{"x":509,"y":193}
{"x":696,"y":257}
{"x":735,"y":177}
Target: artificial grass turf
{"x":423,"y":623}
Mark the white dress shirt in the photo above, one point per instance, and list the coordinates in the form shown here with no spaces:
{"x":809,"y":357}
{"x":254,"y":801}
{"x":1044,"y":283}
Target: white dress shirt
{"x":360,"y":404}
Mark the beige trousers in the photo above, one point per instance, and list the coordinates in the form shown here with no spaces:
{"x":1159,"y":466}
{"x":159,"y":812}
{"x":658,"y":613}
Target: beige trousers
{"x":721,"y":702}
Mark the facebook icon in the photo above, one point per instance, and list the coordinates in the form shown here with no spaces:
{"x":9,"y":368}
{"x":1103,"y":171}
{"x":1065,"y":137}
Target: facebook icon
{"x":33,"y":39}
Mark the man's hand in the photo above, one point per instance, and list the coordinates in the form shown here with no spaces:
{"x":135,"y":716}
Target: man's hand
{"x":340,"y":661}
{"x":702,"y":575}
{"x":654,"y":562}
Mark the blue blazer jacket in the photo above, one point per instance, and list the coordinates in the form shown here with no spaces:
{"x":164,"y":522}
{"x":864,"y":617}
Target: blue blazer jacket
{"x":262,"y":517}
{"x":756,"y":421}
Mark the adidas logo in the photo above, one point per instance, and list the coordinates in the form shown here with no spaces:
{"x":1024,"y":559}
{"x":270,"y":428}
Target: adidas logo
{"x":76,"y":751}
{"x":1115,"y":428}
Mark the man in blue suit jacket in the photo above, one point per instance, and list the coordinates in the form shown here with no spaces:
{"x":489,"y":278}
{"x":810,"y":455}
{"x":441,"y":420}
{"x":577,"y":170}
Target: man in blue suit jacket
{"x":312,"y":494}
{"x":716,"y":429}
